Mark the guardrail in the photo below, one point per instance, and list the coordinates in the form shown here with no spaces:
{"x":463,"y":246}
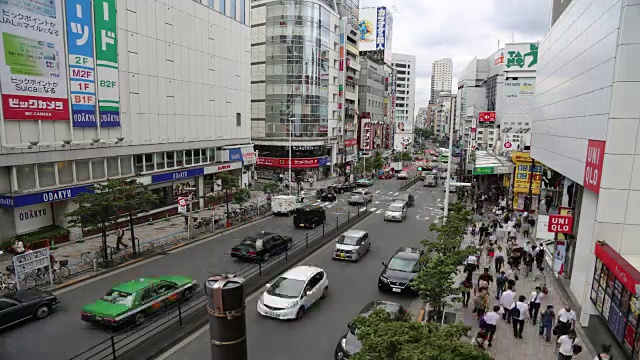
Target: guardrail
{"x":409,"y":183}
{"x":141,"y":341}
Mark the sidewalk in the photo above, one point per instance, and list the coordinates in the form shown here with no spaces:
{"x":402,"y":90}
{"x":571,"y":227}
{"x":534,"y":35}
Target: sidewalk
{"x":159,"y":230}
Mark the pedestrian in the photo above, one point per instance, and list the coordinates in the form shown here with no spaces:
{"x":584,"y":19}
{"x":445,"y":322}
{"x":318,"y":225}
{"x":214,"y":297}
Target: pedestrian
{"x":566,"y":320}
{"x":507,"y":300}
{"x":479,"y":340}
{"x":525,"y":229}
{"x":539,"y":257}
{"x":604,"y":355}
{"x":566,"y":344}
{"x":547,"y":318}
{"x":518,"y":314}
{"x":501,"y":284}
{"x":498,"y":258}
{"x":18,"y":247}
{"x":536,"y":299}
{"x":465,"y":287}
{"x":119,"y":236}
{"x":490,"y":323}
{"x":484,"y":280}
{"x":480,"y":303}
{"x":548,"y":201}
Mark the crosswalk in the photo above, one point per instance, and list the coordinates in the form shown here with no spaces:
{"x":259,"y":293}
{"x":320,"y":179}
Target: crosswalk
{"x":329,"y":205}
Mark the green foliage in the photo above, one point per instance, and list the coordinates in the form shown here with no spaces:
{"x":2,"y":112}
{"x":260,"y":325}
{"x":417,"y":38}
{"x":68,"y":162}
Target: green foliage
{"x":45,"y":233}
{"x":271,"y":188}
{"x":131,"y":198}
{"x":385,"y":338}
{"x":423,"y":133}
{"x":403,"y":156}
{"x":241,"y":196}
{"x":377,"y":161}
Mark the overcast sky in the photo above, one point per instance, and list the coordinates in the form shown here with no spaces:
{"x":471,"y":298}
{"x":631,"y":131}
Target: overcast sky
{"x":461,"y":30}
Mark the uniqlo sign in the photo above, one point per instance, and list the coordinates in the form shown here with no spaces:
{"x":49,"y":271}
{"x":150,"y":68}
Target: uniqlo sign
{"x":593,"y":165}
{"x":560,"y":224}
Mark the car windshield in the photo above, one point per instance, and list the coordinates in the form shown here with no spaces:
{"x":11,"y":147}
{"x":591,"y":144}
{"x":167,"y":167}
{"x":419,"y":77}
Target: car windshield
{"x":286,"y":288}
{"x":119,"y":297}
{"x":394,"y":208}
{"x":356,"y":193}
{"x":348,"y":240}
{"x":249,"y":240}
{"x":404,"y":265}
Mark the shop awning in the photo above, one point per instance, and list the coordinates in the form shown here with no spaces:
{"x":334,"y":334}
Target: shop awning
{"x":489,"y":164}
{"x":625,"y":268}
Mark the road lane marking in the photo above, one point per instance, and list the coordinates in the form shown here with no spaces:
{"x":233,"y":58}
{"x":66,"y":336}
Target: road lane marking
{"x":372,"y":209}
{"x":396,"y":194}
{"x":377,"y":192}
{"x":378,"y":212}
{"x":317,"y":203}
{"x":329,"y":206}
{"x":363,"y":209}
{"x":390,"y":192}
{"x":325,"y":204}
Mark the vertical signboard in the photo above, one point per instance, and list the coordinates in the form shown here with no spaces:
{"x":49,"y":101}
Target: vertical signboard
{"x":33,"y":72}
{"x":381,"y":27}
{"x":365,"y":134}
{"x":81,"y":63}
{"x":593,"y":165}
{"x":107,"y":62}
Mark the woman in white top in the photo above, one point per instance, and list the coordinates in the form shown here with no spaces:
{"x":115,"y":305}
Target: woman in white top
{"x":566,"y":320}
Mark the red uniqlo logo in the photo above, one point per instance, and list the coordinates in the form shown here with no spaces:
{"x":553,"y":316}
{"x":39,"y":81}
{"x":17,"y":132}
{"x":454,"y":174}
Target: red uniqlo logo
{"x":560,"y":224}
{"x":593,"y":165}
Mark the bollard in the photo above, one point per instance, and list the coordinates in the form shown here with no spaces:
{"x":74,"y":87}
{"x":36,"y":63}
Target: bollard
{"x":227,"y":323}
{"x":113,"y":347}
{"x":260,"y":269}
{"x":95,"y":265}
{"x":348,"y":216}
{"x":323,"y":231}
{"x":306,"y":239}
{"x":337,"y":222}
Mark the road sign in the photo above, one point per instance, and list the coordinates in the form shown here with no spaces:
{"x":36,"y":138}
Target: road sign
{"x":182,"y":205}
{"x":507,"y":145}
{"x":31,"y":261}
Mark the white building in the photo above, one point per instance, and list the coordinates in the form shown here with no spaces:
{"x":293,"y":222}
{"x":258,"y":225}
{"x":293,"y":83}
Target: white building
{"x":183,"y":91}
{"x":441,"y":77}
{"x":405,"y":66}
{"x":586,"y":126}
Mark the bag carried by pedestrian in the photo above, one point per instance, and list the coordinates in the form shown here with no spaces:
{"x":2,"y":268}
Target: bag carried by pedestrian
{"x":515,"y":312}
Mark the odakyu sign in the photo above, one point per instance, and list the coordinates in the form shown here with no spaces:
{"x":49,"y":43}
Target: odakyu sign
{"x":44,"y":197}
{"x":32,"y":217}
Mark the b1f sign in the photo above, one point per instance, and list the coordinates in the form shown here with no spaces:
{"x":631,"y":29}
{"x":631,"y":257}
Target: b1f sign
{"x":560,"y":224}
{"x":593,"y":165}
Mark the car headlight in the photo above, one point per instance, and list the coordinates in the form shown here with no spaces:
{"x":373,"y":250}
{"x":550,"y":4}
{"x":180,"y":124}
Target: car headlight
{"x":343,"y":343}
{"x":292,"y":305}
{"x":261,"y":300}
{"x":384,"y":279}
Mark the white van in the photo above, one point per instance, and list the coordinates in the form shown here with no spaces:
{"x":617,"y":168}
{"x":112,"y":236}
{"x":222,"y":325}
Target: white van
{"x":284,"y":204}
{"x":430,"y":180}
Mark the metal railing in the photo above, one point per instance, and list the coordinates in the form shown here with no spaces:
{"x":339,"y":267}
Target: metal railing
{"x":147,"y":340}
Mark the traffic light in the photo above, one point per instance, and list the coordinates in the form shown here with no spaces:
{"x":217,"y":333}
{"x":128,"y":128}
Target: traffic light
{"x":419,"y":168}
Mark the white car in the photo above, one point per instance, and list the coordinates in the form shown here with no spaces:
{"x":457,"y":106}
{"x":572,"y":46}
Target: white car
{"x":397,"y":211}
{"x":402,"y":175}
{"x":360,"y":197}
{"x":293,"y":293}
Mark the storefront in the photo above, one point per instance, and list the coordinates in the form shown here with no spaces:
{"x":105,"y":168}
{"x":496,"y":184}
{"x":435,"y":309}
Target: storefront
{"x":614,"y":294}
{"x":523,"y":183}
{"x":247,"y":156}
{"x":272,"y":167}
{"x":489,"y":171}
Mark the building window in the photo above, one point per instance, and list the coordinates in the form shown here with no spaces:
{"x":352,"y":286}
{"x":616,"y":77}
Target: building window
{"x":196,"y":157}
{"x":148,"y":162}
{"x":233,"y":9}
{"x":82,"y":170}
{"x":113,"y":169}
{"x":238,"y":119}
{"x":139,"y":163}
{"x":97,"y":169}
{"x":26,"y":177}
{"x":179,"y":158}
{"x":65,"y":172}
{"x":188,"y":157}
{"x":160,"y":161}
{"x":243,"y":17}
{"x":171,"y":159}
{"x":223,"y":7}
{"x":211,"y":4}
{"x":125,"y":165}
{"x":46,"y":175}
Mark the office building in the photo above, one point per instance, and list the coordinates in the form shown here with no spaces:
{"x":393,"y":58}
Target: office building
{"x":441,"y":77}
{"x":405,"y":97}
{"x":172,"y":108}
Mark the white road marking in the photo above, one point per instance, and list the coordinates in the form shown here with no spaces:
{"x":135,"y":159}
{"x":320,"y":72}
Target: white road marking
{"x":377,"y":212}
{"x":396,"y":194}
{"x":376,"y":202}
{"x":329,"y":206}
{"x":363,"y":209}
{"x":377,"y":192}
{"x":438,"y":200}
{"x":390,"y":192}
{"x":325,"y":204}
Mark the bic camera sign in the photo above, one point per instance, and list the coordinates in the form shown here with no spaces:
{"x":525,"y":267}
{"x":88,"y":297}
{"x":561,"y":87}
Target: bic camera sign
{"x":522,"y":56}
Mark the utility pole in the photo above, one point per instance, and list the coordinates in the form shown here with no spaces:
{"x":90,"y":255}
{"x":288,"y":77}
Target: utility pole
{"x":446,"y":188}
{"x":227,"y":323}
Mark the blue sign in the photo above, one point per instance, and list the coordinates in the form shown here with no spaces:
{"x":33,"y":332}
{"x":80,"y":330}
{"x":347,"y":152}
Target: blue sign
{"x":81,"y":63}
{"x":381,"y":28}
{"x":44,"y":197}
{"x":324,"y":161}
{"x":236,"y":155}
{"x":177,"y":175}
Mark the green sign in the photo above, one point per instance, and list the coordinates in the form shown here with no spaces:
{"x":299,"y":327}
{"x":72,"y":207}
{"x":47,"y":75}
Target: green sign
{"x":483,"y":170}
{"x":104,"y":12}
{"x":518,"y":59}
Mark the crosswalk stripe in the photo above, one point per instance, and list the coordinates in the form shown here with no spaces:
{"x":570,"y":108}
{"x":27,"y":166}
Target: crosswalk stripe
{"x":396,"y":194}
{"x":363,"y":209}
{"x":377,"y":192}
{"x":372,"y":209}
{"x":379,"y":211}
{"x":325,"y":204}
{"x":317,"y":203}
{"x":329,"y":206}
{"x":390,"y":192}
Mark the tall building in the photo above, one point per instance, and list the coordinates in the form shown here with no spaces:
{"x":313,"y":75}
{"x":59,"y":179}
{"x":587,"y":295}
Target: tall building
{"x":441,"y":77}
{"x":172,"y":107}
{"x":405,"y":97}
{"x":295,"y":85}
{"x":585,"y":127}
{"x":557,"y":8}
{"x":421,"y":117}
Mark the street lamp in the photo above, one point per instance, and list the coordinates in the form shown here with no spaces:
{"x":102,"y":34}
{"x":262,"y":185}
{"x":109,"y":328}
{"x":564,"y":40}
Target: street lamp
{"x":290,"y":147}
{"x":448,"y":183}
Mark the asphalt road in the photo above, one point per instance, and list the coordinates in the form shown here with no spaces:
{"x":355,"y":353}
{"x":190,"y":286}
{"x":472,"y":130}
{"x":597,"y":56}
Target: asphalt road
{"x":64,"y":335}
{"x":352,"y":285}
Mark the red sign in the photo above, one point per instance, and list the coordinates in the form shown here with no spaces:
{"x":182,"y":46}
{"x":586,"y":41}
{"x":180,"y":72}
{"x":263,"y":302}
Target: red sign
{"x":351,"y":142}
{"x":23,"y":107}
{"x":487,"y":117}
{"x":628,"y":275}
{"x":300,"y":163}
{"x":224,"y":167}
{"x":593,"y":165}
{"x":560,"y":224}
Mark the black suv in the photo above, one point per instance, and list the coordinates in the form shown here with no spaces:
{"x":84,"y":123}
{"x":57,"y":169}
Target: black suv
{"x":400,"y":270}
{"x":309,"y":216}
{"x":349,"y":343}
{"x":262,"y":246}
{"x":408,"y":198}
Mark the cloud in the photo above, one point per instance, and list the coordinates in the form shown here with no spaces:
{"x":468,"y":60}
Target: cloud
{"x":461,"y":30}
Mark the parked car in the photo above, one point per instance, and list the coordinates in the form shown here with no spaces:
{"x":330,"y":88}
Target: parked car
{"x":349,"y":343}
{"x":352,"y":245}
{"x":408,"y":198}
{"x":131,"y":302}
{"x":403,"y":266}
{"x":402,"y":175}
{"x":329,"y":195}
{"x":430,"y":180}
{"x":396,"y":211}
{"x":293,"y":293}
{"x":364,"y":182}
{"x":22,"y":305}
{"x":261,"y":247}
{"x":360,"y":197}
{"x":309,"y":216}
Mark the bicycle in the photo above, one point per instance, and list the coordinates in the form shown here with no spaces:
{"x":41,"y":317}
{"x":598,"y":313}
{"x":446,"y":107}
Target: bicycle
{"x":89,"y":256}
{"x":7,"y":283}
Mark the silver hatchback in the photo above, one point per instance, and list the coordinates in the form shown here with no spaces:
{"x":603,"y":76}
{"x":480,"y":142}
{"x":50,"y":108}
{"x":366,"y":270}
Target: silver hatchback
{"x":351,"y":245}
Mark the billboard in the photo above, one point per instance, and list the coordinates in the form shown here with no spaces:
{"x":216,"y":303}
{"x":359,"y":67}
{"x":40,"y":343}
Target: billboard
{"x":365,"y":134}
{"x":521,"y":57}
{"x":33,"y":72}
{"x":373,"y":28}
{"x":404,"y":127}
{"x":487,"y":117}
{"x":499,"y":58}
{"x":402,"y":142}
{"x":377,"y":136}
{"x":107,"y":62}
{"x":521,"y":88}
{"x":81,"y":63}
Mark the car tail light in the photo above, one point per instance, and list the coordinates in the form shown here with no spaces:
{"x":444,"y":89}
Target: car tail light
{"x":252,"y":253}
{"x":110,"y":320}
{"x":235,"y":250}
{"x":85,"y":314}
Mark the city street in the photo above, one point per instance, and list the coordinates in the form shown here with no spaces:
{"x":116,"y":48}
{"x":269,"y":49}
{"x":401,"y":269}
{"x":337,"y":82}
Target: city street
{"x":352,"y":285}
{"x":63,"y":335}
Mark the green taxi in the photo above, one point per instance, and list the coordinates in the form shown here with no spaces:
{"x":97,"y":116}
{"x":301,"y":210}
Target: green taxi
{"x":131,"y":302}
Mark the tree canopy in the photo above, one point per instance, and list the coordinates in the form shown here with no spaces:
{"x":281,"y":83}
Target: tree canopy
{"x":132,"y":198}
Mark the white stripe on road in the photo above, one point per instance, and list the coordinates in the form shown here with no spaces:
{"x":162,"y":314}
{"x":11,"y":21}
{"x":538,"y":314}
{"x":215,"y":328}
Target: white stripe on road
{"x":376,"y":202}
{"x":329,"y":206}
{"x":363,"y":209}
{"x":325,"y":204}
{"x":396,"y":194}
{"x":378,"y":212}
{"x":372,"y":209}
{"x":317,"y":203}
{"x":377,"y":192}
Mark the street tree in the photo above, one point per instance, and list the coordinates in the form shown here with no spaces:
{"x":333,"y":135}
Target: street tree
{"x":96,"y":211}
{"x":227,"y":183}
{"x":271,"y":188}
{"x":385,"y":338}
{"x":131,"y":198}
{"x":377,"y":161}
{"x":241,"y":196}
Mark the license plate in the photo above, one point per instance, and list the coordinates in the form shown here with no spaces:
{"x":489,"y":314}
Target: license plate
{"x":342,"y":256}
{"x":395,"y":289}
{"x":301,"y":225}
{"x":269,"y":313}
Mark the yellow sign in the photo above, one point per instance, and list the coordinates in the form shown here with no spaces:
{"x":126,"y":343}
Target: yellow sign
{"x":522,"y":179}
{"x":506,"y":180}
{"x":517,"y":156}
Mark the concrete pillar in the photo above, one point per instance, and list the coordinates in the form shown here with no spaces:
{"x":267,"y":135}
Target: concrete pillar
{"x":227,"y":323}
{"x":200,"y":192}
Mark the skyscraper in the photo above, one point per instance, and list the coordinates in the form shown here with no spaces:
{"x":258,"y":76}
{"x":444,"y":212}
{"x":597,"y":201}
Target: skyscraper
{"x":440,"y":77}
{"x":405,"y":66}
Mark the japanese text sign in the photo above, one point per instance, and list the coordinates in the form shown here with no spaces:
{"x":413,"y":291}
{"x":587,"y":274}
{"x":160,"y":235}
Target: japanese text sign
{"x":593,"y":165}
{"x":33,"y":73}
{"x":381,"y":28}
{"x":487,"y":117}
{"x":107,"y":62}
{"x":81,"y":63}
{"x":560,"y":224}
